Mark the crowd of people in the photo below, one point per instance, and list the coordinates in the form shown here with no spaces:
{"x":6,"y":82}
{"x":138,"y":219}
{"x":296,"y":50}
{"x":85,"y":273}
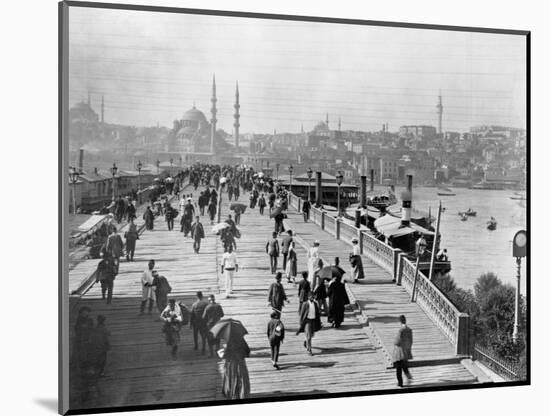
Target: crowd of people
{"x":321,"y":291}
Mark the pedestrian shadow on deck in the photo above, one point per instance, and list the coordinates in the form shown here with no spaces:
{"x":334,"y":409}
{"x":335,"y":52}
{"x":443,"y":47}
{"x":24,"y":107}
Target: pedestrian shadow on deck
{"x":340,"y":350}
{"x":279,"y":393}
{"x":308,"y":364}
{"x":384,"y":319}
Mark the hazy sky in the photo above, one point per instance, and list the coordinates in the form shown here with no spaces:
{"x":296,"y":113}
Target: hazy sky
{"x":152,"y":67}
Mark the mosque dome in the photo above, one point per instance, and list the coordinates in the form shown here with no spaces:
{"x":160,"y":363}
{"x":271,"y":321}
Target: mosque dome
{"x":194,"y":115}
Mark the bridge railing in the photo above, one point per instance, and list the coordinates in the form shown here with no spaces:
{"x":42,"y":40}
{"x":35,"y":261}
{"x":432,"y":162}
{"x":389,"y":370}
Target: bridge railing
{"x":453,"y":323}
{"x":379,"y":252}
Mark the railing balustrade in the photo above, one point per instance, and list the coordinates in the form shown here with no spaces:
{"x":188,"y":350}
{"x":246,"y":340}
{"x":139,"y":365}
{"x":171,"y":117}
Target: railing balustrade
{"x":504,"y":368}
{"x":453,"y":323}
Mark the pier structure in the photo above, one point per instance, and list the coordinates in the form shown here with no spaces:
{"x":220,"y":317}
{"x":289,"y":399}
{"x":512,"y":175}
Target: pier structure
{"x":354,"y":358}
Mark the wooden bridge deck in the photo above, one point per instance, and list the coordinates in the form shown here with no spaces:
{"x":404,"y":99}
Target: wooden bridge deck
{"x":141,"y":371}
{"x":381,"y":299}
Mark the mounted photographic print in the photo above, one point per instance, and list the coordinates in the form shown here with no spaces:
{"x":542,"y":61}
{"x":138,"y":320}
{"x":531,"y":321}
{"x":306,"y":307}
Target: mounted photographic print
{"x":268,"y":208}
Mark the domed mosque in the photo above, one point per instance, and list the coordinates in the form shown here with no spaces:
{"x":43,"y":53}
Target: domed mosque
{"x":194,"y":134}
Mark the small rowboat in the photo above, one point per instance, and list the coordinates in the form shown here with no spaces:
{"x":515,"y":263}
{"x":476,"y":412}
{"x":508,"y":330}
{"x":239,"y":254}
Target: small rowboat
{"x":469,"y":213}
{"x":492,"y":225}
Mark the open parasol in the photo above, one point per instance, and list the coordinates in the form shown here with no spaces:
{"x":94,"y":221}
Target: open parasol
{"x":218,"y":227}
{"x":227,"y":328}
{"x":276,"y":211}
{"x":331,"y":271}
{"x":237,"y":206}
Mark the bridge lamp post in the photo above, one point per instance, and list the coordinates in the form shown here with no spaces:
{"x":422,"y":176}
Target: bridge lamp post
{"x":158,"y":166}
{"x":519,"y":250}
{"x":223,"y":180}
{"x":114,"y":170}
{"x":139,"y":166}
{"x":171,"y":165}
{"x":278,"y":165}
{"x":309,"y":175}
{"x":290,"y":170}
{"x":339,"y":180}
{"x":73,"y":178}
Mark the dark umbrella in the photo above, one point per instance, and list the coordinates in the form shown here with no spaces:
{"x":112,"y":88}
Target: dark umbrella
{"x":238,"y":206}
{"x":331,"y":271}
{"x":276,"y":211}
{"x":227,"y":328}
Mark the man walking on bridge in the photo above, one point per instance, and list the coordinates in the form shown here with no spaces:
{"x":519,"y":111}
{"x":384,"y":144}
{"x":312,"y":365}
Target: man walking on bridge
{"x":229,"y":267}
{"x":402,"y":351}
{"x":272,"y":249}
{"x":197,"y":233}
{"x":197,"y":323}
{"x":212,"y":314}
{"x":147,"y":292}
{"x":277,"y":296}
{"x":114,"y":247}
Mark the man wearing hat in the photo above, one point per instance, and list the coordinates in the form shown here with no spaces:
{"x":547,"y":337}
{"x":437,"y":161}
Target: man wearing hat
{"x":147,"y":292}
{"x":211,"y":315}
{"x":115,"y":247}
{"x":106,"y":272}
{"x":197,"y":323}
{"x":356,"y":262}
{"x":187,"y":217}
{"x":197,"y":233}
{"x":172,"y":318}
{"x":162,"y":289}
{"x":275,"y":335}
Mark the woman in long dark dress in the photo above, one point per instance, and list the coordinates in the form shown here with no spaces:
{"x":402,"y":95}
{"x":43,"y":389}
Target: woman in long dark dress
{"x":236,"y":382}
{"x":338,"y":299}
{"x":292,"y":264}
{"x":149,"y":218}
{"x":131,"y":237}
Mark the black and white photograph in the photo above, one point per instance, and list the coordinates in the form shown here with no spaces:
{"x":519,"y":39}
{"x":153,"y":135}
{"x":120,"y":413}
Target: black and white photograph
{"x":276,"y":207}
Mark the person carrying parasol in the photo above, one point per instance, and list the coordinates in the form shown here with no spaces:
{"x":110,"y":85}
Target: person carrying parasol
{"x":236,"y":381}
{"x":172,"y":318}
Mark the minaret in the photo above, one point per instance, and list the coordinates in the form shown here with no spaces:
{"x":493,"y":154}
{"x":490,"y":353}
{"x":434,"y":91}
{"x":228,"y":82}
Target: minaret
{"x":213,"y":110}
{"x":440,"y":114}
{"x":236,"y":116}
{"x":326,"y":121}
{"x":302,"y":128}
{"x":339,"y":124}
{"x":102,"y":109}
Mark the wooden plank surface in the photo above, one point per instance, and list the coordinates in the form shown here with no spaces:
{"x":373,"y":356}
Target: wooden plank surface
{"x":141,"y":371}
{"x":382,"y":300}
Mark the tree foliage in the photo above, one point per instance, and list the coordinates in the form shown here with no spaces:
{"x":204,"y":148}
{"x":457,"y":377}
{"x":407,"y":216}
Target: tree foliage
{"x":491,"y":307}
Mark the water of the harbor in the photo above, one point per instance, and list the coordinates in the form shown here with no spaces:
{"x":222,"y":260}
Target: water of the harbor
{"x":472,"y":248}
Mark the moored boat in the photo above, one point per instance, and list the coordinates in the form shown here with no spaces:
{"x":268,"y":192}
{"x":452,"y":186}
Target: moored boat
{"x":445,"y":192}
{"x":492,"y":224}
{"x":470,"y":213}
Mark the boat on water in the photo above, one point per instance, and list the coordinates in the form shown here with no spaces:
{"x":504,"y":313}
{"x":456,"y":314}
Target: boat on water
{"x":389,"y":228}
{"x":470,"y":213}
{"x":492,"y":224}
{"x":488,"y":185}
{"x":518,"y":196}
{"x":463,"y":217}
{"x":445,"y":192}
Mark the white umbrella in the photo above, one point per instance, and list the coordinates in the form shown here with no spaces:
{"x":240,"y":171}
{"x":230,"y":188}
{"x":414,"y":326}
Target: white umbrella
{"x":218,"y":227}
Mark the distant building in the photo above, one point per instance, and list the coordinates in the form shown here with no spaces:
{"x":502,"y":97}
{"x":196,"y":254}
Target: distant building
{"x":417,"y":132}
